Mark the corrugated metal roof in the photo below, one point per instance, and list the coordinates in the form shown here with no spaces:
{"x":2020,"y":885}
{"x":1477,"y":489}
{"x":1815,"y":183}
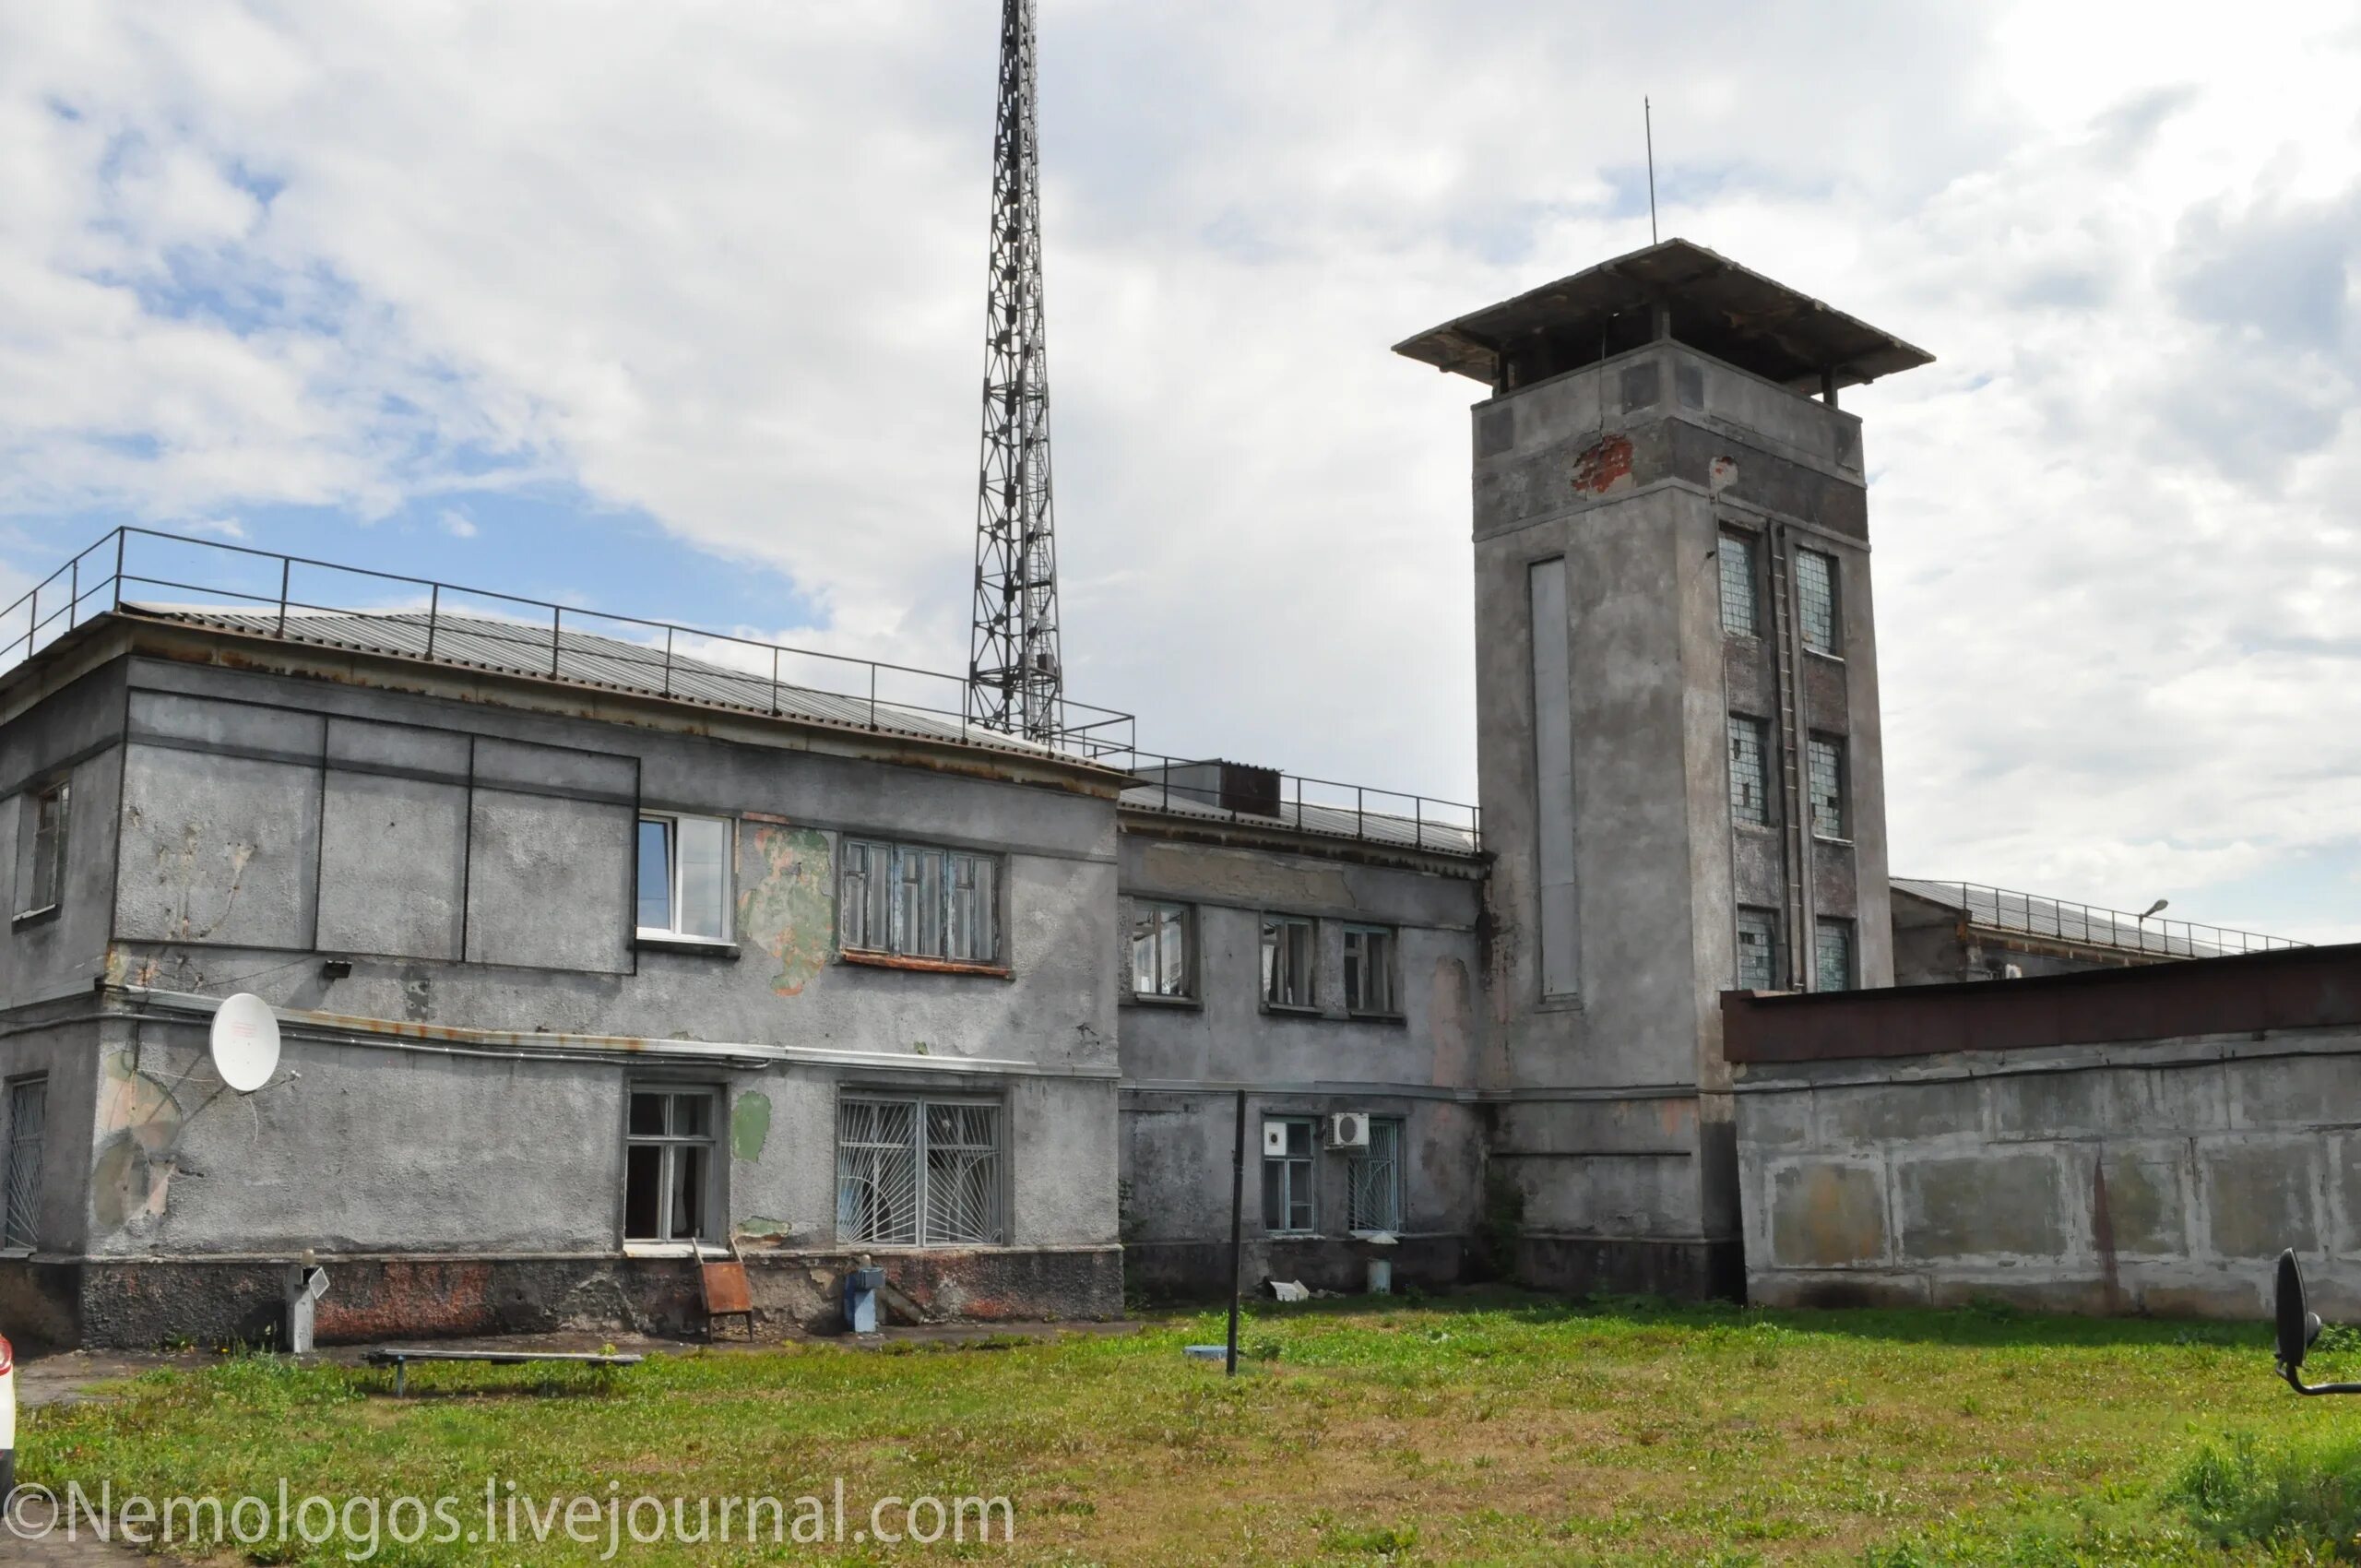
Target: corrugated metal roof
{"x":1329,"y":822}
{"x":1998,"y":909}
{"x":518,"y":648}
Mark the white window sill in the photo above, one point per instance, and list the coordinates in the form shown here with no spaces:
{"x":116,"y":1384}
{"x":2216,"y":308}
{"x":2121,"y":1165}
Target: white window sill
{"x":34,"y":917}
{"x":674,"y":1250}
{"x":1293,"y":1010}
{"x":1150,"y":999}
{"x":1823,"y":653}
{"x":1820,"y":838}
{"x":673,"y":942}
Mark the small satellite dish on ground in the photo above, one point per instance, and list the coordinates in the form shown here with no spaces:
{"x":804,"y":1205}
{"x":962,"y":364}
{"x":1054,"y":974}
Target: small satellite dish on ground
{"x":245,"y":1043}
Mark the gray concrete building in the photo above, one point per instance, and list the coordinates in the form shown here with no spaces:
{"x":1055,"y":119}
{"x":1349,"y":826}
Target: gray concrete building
{"x":602,"y":948}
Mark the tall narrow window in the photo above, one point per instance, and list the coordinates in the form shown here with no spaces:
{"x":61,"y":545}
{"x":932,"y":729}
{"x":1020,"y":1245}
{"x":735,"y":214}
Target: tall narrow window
{"x":1833,"y":947}
{"x":917,"y":1171}
{"x":1553,"y":780}
{"x":1286,"y":961}
{"x":1758,"y":950}
{"x":915,"y":901}
{"x":41,"y":866}
{"x":684,"y":877}
{"x":1750,"y":775}
{"x":1826,"y":766}
{"x":1159,"y":949}
{"x":1816,"y":593}
{"x":1739,"y":609}
{"x":28,"y":1121}
{"x":1368,"y":970}
{"x":668,"y":1165}
{"x":1374,"y":1178}
{"x":1286,"y":1175}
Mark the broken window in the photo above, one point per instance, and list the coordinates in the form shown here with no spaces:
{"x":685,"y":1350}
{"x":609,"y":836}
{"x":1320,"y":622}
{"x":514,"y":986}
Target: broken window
{"x":1374,"y":1179}
{"x":1159,"y":949}
{"x":1758,"y":950}
{"x":1826,"y":766}
{"x":1833,"y":944}
{"x":915,"y":901}
{"x":28,"y":1118}
{"x":684,"y":877}
{"x":1816,"y":593}
{"x":1749,"y":779}
{"x":668,"y":1164}
{"x":1368,"y":970}
{"x":1738,"y":616}
{"x":916,"y":1173}
{"x":1286,"y":1175}
{"x":1286,"y":961}
{"x":41,"y":865}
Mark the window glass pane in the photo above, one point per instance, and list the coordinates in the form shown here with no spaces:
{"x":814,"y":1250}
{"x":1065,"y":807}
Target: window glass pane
{"x":854,"y":892}
{"x":1299,"y":1137}
{"x":1275,"y":1184}
{"x":642,"y":1192}
{"x":1816,"y":591}
{"x":688,"y":1191}
{"x":1758,"y":952}
{"x":703,"y":848}
{"x":647,"y":1114}
{"x":1143,"y":960}
{"x":27,"y":1122}
{"x":655,"y":874}
{"x":1736,"y":555}
{"x":1271,"y":961}
{"x":877,"y":1178}
{"x":1172,"y":948}
{"x":693,"y":1115}
{"x":1826,"y":766}
{"x":1834,"y":946}
{"x":1749,"y":784}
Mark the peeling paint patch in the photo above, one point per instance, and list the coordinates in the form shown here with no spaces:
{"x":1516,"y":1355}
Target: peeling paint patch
{"x":140,"y":1125}
{"x":750,"y":1124}
{"x":762,"y":1226}
{"x":1604,"y":465}
{"x":787,"y":903}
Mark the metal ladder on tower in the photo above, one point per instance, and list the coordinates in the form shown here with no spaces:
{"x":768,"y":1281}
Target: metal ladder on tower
{"x":1794,"y":844}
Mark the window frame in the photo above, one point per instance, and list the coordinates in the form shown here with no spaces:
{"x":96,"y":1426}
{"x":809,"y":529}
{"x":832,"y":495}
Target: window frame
{"x":58,"y":791}
{"x":880,"y":903}
{"x":1267,"y":970}
{"x":11,"y":1225}
{"x":1751,"y":576}
{"x":1389,"y":971}
{"x":712,"y":1199}
{"x":1838,"y":752}
{"x":1769,"y":920}
{"x":1185,"y":926}
{"x":1823,"y":927}
{"x":920,"y":1149}
{"x":1398,"y":1194}
{"x":1288,"y":1164}
{"x":1759,"y":732}
{"x":675,"y":868}
{"x":1834,"y":646}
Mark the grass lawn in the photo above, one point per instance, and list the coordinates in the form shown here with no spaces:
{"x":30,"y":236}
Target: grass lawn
{"x":1494,"y":1428}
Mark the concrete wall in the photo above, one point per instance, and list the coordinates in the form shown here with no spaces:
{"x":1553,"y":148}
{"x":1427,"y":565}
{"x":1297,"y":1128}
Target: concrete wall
{"x":2156,"y":1175}
{"x":1183,"y":1061}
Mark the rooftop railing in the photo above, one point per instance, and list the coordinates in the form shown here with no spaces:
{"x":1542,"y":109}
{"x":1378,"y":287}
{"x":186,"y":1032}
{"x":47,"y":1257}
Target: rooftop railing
{"x":1228,"y":792}
{"x":285,"y":595}
{"x":1999,"y":909}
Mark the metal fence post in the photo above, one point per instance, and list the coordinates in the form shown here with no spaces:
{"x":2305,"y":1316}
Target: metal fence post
{"x":1418,"y":821}
{"x":774,"y":680}
{"x":433,"y":613}
{"x":285,"y":566}
{"x":873,"y":702}
{"x":72,"y":590}
{"x":668,"y":661}
{"x":557,"y":625}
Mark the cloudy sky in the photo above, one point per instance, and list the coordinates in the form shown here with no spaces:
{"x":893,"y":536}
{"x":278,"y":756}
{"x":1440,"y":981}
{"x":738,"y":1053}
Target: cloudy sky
{"x":676,"y":310}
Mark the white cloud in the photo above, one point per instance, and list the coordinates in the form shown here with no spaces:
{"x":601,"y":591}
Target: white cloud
{"x":723,"y":264}
{"x":456,"y":523}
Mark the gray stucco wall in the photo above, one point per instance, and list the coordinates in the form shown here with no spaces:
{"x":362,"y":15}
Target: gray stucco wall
{"x":2162,"y":1177}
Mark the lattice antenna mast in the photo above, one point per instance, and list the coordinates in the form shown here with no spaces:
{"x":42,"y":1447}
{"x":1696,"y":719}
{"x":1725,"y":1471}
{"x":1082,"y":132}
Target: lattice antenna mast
{"x":1015,"y":682}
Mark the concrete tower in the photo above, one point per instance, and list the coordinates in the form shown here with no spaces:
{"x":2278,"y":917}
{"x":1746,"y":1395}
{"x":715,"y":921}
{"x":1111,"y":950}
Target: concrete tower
{"x":1677,"y":702}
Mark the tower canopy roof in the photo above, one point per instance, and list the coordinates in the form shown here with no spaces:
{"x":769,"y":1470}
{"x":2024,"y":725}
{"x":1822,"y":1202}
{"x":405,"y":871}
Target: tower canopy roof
{"x":1717,"y":307}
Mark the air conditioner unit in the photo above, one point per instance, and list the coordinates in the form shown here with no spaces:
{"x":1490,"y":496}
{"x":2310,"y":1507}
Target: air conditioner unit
{"x":1348,"y":1130}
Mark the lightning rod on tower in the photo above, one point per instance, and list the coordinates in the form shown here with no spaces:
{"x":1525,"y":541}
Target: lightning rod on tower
{"x":1014,"y":680}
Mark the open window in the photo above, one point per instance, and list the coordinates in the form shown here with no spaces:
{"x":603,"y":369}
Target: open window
{"x":668,"y":1167}
{"x":1289,"y":961}
{"x":41,"y":859}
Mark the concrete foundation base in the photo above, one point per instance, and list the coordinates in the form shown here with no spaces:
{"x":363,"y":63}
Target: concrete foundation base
{"x":1589,"y":1265}
{"x":146,"y":1303}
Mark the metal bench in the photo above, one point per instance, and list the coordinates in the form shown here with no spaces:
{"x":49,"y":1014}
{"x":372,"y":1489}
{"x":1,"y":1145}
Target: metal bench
{"x":400,"y":1358}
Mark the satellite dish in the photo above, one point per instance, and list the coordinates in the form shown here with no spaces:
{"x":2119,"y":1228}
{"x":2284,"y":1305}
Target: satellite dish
{"x":245,"y":1043}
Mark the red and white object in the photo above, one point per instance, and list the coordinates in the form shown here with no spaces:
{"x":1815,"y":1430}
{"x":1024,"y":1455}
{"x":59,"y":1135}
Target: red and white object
{"x":7,"y":1422}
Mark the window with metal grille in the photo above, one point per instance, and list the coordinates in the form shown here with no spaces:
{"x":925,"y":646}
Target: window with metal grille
{"x":1816,"y":592}
{"x":1288,"y":1200}
{"x":1833,"y":946}
{"x":1368,"y":970}
{"x":1758,"y":950}
{"x":1738,"y":609}
{"x":1825,"y":765}
{"x":41,"y":868}
{"x":668,"y":1164}
{"x":1373,"y":1190}
{"x":684,"y":877}
{"x":1749,"y":779}
{"x":1159,"y":949}
{"x":28,"y":1118}
{"x":1287,"y":961}
{"x":918,"y":902}
{"x":919,"y":1172}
